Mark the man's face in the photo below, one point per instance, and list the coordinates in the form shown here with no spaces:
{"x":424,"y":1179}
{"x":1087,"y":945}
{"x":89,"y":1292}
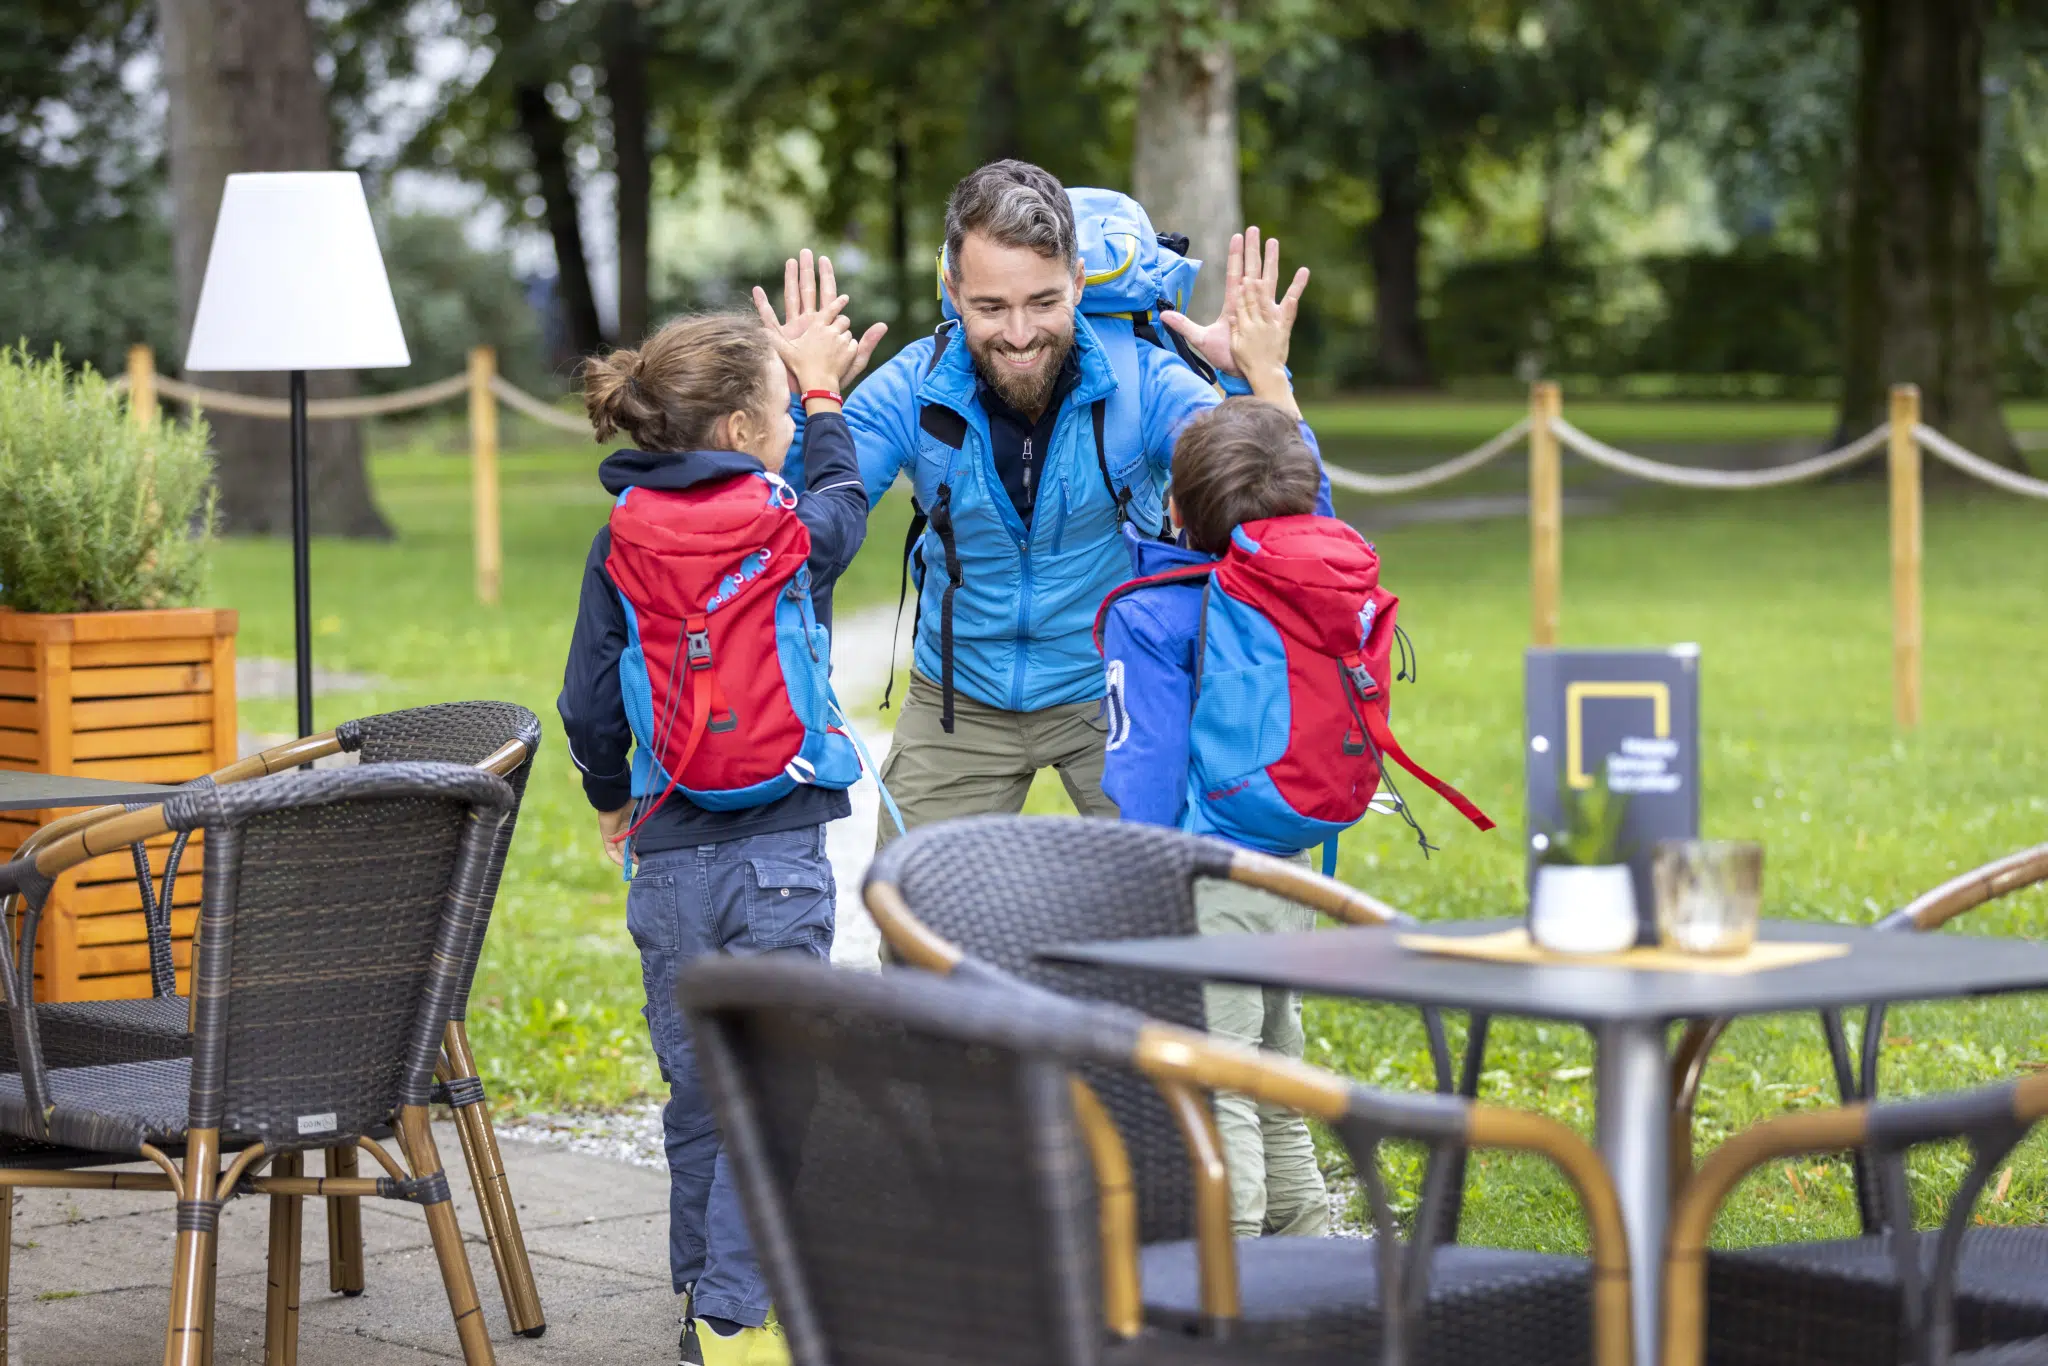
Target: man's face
{"x":1017,"y":311}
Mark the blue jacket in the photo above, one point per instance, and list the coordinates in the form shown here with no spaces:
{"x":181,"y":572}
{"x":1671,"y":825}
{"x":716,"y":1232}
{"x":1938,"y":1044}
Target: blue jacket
{"x":1026,"y":604}
{"x":592,"y":704}
{"x":1148,"y":656}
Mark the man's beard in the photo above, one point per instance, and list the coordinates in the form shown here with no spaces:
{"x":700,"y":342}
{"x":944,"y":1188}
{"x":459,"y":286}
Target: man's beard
{"x":1027,"y":393}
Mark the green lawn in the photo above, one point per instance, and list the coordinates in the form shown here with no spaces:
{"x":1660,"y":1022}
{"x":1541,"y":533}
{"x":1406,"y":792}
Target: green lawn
{"x":1786,"y":593}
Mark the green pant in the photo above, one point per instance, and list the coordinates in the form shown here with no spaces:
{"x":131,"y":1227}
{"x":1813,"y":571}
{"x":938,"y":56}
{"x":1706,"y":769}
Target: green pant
{"x":987,"y":764}
{"x":1275,"y":1185}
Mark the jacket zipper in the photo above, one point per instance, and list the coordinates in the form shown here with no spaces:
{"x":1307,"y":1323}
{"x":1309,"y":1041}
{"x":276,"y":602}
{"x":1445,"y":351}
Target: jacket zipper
{"x":1030,"y":494}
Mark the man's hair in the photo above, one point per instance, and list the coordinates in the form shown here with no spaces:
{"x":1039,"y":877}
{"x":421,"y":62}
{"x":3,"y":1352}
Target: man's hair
{"x":1241,"y":461}
{"x":1013,"y":204}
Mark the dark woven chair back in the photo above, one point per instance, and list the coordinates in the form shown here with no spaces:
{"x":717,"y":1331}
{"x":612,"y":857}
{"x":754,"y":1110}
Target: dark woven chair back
{"x":335,"y":912}
{"x":454,"y":733}
{"x":1004,"y":887}
{"x":916,"y":1194}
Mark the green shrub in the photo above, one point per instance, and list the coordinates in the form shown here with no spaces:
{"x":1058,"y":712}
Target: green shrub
{"x":96,"y":514}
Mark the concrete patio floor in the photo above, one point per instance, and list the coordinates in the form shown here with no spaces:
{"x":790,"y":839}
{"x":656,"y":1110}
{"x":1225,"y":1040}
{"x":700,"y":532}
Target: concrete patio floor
{"x":91,"y":1273}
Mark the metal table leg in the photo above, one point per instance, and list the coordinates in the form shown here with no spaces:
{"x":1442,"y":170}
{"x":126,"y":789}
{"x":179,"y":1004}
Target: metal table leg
{"x":1632,"y":1125}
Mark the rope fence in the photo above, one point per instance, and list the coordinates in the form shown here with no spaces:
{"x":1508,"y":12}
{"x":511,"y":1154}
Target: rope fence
{"x":1902,"y":437}
{"x":481,"y":382}
{"x":1388,"y":485}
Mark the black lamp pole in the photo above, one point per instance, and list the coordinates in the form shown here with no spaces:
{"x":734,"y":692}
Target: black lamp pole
{"x":302,"y":577}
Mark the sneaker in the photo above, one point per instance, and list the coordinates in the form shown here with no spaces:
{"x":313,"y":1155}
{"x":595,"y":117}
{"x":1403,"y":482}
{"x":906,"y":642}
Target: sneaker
{"x":747,"y":1347}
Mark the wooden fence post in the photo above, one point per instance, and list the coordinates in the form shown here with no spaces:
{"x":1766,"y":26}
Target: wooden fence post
{"x":142,"y":386}
{"x":1904,"y":465}
{"x":1546,"y":515}
{"x":483,"y":472}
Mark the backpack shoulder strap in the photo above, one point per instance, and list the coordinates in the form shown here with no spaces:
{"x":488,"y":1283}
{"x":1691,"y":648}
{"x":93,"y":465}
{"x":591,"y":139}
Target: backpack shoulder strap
{"x":1189,"y":573}
{"x":1166,"y":339}
{"x":936,"y":420}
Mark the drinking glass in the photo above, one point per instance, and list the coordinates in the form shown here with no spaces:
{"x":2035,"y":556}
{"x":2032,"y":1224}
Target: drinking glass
{"x":1707,"y":894}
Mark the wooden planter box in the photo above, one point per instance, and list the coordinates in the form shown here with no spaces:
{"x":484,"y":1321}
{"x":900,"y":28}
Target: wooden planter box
{"x":146,"y":696}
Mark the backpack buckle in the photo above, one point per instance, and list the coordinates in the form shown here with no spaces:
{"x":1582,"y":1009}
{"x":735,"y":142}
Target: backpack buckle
{"x":1354,"y":743}
{"x":1362,"y":680}
{"x":700,"y":648}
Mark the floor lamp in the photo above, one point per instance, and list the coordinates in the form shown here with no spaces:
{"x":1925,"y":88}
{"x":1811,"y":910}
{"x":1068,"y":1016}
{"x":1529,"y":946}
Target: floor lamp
{"x":295,"y":282}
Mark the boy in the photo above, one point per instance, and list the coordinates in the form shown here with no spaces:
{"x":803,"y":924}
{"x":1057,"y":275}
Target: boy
{"x":1242,"y":461}
{"x":706,"y":402}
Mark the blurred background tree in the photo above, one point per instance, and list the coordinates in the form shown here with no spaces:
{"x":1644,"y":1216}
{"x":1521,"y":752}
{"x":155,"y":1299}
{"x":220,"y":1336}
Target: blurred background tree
{"x":1792,"y":197}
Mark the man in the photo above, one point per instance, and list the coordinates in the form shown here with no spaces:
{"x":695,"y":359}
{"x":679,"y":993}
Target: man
{"x":1022,"y":442}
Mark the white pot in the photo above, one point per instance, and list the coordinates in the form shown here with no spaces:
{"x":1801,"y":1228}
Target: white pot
{"x":1583,"y":910}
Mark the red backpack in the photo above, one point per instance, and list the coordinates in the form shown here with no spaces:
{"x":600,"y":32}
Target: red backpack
{"x":1289,"y":732}
{"x":726,"y":672}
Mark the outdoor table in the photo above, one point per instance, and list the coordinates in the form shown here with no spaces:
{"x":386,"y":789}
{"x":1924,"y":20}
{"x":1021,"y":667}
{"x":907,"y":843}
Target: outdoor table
{"x":48,"y":791}
{"x":1627,"y":1009}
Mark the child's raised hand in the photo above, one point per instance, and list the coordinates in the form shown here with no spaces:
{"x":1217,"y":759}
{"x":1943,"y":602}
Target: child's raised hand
{"x":1263,"y":324}
{"x":823,"y":353}
{"x":811,"y":297}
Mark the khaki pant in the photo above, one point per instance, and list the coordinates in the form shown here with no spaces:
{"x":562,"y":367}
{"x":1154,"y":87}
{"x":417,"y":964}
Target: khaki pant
{"x":1275,"y":1185}
{"x":986,"y":765}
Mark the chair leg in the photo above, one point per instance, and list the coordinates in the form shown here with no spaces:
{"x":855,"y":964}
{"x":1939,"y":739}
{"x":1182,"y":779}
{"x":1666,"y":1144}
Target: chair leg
{"x":185,"y":1341}
{"x":281,"y":1305}
{"x":416,"y":1138}
{"x":6,"y":1260}
{"x":344,"y":1227}
{"x":493,"y":1190}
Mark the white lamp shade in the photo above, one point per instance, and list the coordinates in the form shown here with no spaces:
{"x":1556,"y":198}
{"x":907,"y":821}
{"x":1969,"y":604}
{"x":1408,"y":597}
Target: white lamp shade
{"x":295,"y":280}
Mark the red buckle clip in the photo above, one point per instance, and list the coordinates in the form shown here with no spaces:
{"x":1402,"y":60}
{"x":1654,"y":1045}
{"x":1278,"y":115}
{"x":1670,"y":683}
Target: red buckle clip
{"x":700,"y":648}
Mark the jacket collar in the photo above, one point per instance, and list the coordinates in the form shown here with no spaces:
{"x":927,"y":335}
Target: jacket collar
{"x":626,"y":469}
{"x":1152,"y":556}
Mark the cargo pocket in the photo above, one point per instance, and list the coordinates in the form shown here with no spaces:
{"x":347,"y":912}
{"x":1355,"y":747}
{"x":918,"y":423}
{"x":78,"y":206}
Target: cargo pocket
{"x":789,"y":904}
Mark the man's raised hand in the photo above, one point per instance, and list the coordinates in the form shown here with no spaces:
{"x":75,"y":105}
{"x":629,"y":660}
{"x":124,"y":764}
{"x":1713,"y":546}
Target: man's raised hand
{"x":811,"y":298}
{"x":1214,"y":341}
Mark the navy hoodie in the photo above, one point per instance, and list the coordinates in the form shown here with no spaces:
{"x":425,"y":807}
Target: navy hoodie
{"x":834,"y":506}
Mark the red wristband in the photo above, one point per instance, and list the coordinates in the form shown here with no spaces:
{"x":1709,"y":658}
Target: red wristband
{"x":810,"y":394}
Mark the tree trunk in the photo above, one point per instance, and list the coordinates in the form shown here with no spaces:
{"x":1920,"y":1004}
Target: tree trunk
{"x":1002,"y":134}
{"x":243,"y":96}
{"x":1917,"y":297}
{"x":1184,"y":154}
{"x":626,"y":88}
{"x":547,"y":141}
{"x":1394,"y":238}
{"x":901,"y":281}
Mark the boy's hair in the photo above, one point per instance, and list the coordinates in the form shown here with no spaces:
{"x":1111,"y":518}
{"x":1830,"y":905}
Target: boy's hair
{"x":1241,"y":461}
{"x":670,"y":394}
{"x":1015,"y":204}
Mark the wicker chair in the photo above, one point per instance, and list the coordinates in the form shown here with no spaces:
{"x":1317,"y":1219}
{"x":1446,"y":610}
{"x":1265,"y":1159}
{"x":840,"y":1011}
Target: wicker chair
{"x":995,"y":890}
{"x":336,"y":910}
{"x":500,"y":737}
{"x":914,"y":1156}
{"x":1953,"y":1295}
{"x":2006,"y":1267}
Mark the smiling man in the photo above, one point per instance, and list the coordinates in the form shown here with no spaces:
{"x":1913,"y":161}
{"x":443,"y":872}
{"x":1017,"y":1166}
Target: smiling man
{"x":1030,"y":440}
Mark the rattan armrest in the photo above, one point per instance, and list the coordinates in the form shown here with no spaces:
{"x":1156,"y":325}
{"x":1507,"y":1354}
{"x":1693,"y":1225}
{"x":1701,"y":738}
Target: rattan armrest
{"x":2010,"y":1106}
{"x":2002,"y":876}
{"x":1175,"y":1057}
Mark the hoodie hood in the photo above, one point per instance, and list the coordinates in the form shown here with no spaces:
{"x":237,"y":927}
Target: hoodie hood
{"x":1149,"y":555}
{"x":1313,"y":577}
{"x":622,"y":470}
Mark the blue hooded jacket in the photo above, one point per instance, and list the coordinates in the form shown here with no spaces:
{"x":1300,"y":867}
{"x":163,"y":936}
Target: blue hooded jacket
{"x":1026,"y":604}
{"x":1148,"y":664}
